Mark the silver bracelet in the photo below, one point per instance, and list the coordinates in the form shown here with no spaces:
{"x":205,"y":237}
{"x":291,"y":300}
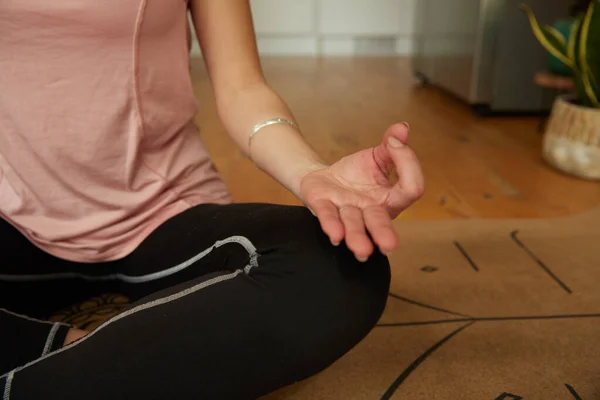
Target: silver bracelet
{"x":268,"y":122}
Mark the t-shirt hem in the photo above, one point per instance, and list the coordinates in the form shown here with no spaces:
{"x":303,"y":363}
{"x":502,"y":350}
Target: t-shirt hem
{"x":122,"y":251}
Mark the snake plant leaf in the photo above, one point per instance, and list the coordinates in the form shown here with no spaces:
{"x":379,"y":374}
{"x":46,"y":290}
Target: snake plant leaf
{"x":588,"y":55}
{"x":582,"y":96}
{"x":573,"y":44}
{"x":558,"y":35}
{"x":573,"y":54}
{"x":557,"y":46}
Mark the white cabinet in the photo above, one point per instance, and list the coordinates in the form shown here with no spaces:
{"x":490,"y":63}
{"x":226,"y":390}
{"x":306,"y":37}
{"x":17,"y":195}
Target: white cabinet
{"x":408,"y":9}
{"x":360,"y":17}
{"x":334,"y":27}
{"x":283,"y":17}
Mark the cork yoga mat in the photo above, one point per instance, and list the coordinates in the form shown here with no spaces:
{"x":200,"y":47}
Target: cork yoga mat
{"x":482,"y":310}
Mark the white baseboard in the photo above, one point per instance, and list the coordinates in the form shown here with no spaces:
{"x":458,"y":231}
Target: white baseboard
{"x":404,"y":45}
{"x":288,"y":46}
{"x":328,"y":46}
{"x":333,"y":46}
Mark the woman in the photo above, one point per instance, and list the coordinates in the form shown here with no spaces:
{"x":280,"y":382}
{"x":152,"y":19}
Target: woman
{"x":105,"y":186}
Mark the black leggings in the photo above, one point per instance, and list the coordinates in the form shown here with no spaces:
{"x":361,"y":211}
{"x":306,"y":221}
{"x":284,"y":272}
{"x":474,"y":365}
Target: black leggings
{"x":229,"y":302}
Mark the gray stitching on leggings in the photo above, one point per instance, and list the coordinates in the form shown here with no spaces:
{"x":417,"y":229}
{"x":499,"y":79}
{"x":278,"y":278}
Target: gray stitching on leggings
{"x":241,"y":240}
{"x":50,"y":339}
{"x":9,"y":379}
{"x":31,"y":319}
{"x":139,"y":308}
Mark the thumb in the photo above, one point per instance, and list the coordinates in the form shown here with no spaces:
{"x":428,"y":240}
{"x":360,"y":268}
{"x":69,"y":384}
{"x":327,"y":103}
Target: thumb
{"x":397,"y":132}
{"x":411,"y":183}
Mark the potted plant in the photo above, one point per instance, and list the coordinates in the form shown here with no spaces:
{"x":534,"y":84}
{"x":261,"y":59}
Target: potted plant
{"x":572,"y":138}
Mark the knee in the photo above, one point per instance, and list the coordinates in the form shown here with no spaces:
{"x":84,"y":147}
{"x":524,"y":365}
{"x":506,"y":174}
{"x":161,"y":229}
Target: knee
{"x":337,"y":276}
{"x":341,"y":303}
{"x":322,"y":301}
{"x":338,"y":291}
{"x":357,"y":292}
{"x":344,"y":295}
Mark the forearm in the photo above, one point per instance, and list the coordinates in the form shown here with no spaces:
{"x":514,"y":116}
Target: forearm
{"x":280,"y":150}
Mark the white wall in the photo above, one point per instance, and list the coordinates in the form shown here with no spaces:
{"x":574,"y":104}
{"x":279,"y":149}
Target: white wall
{"x":333,"y":27}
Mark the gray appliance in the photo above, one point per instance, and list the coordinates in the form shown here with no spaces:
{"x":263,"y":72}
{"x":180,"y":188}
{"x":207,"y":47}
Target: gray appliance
{"x":483,"y":51}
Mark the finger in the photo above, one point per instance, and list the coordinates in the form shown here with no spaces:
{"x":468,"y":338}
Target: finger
{"x":381,"y":154}
{"x":394,"y":152}
{"x":379,"y":224}
{"x":411,"y":183}
{"x":330,"y":221}
{"x":356,"y":236}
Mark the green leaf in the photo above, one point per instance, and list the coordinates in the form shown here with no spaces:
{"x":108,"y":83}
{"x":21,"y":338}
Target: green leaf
{"x":582,"y":96}
{"x":573,"y":54}
{"x":589,"y":52}
{"x":547,"y":37}
{"x":593,"y":51}
{"x":557,"y":35}
{"x":573,"y":46}
{"x":573,"y":43}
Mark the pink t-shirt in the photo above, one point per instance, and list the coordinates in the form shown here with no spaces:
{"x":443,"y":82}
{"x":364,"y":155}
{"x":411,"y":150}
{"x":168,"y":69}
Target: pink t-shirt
{"x":97,"y":141}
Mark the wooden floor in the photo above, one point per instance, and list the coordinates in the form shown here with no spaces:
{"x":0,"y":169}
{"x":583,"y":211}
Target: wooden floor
{"x":474,"y":167}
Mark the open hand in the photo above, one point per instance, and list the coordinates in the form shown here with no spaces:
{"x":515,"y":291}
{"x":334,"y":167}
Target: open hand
{"x":355,"y":195}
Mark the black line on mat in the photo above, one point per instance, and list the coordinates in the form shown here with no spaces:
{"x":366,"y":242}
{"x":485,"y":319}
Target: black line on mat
{"x":431,"y":322}
{"x":416,"y":303}
{"x":415,"y":364}
{"x":491,"y":319}
{"x":466,"y":255}
{"x":574,"y":393}
{"x":514,"y":237}
{"x":508,"y":396}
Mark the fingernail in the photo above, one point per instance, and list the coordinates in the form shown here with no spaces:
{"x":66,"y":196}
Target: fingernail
{"x":407,"y":125}
{"x":336,"y":244}
{"x":385,"y":252}
{"x":395,"y":142}
{"x":362,"y":259}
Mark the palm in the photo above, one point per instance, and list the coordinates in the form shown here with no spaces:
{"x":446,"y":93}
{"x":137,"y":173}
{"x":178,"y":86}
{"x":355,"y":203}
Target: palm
{"x":355,"y":180}
{"x":355,"y":194}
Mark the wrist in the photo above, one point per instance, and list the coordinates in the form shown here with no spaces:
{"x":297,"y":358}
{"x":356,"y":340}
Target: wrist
{"x":281,"y":151}
{"x":302,"y":171}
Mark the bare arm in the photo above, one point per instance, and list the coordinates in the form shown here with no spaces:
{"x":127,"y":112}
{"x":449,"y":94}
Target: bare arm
{"x":227,"y":38}
{"x":352,"y":197}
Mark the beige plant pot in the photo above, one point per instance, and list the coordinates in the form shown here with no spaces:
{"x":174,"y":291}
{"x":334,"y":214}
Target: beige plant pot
{"x":572,"y":139}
